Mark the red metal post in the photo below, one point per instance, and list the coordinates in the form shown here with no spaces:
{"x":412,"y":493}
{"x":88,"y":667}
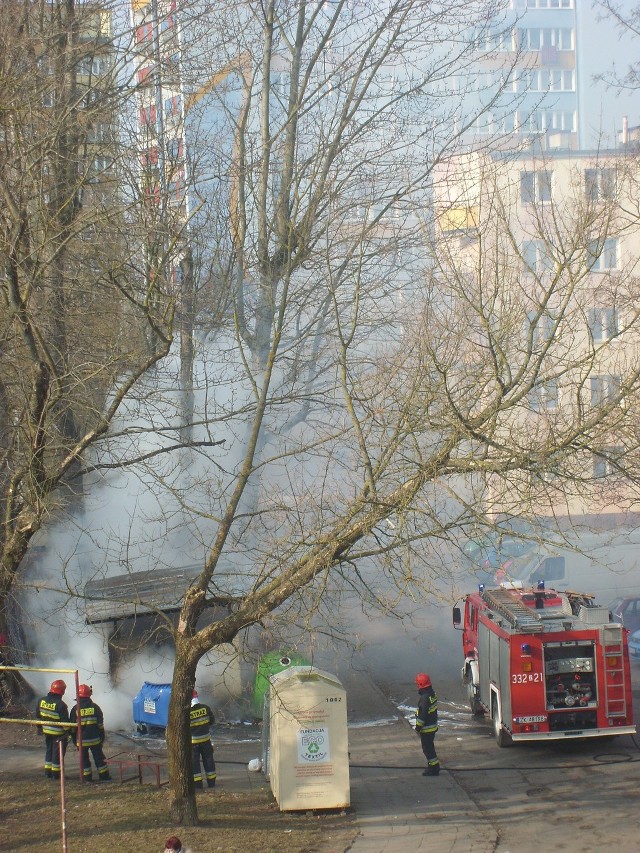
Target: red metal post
{"x":79,"y":720}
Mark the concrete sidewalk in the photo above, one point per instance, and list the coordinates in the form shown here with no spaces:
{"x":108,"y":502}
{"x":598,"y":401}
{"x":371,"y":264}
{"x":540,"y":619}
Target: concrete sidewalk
{"x":396,"y":807}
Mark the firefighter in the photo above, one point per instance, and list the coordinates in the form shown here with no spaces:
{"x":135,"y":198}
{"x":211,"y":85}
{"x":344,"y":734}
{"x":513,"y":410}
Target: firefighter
{"x":427,"y":722}
{"x":92,"y":722}
{"x":53,"y":710}
{"x":200,"y":720}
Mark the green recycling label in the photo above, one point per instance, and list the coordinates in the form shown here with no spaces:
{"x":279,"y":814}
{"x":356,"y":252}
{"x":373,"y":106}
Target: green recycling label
{"x":313,"y":746}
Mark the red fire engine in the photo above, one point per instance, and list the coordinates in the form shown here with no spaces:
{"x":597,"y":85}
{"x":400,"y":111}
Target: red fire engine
{"x":544,"y":664}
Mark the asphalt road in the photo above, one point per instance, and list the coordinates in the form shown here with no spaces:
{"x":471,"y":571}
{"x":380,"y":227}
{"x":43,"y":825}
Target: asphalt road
{"x":569,"y":796}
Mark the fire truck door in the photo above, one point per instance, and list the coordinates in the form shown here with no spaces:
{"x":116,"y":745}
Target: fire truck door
{"x":493,"y":660}
{"x":484,"y":665}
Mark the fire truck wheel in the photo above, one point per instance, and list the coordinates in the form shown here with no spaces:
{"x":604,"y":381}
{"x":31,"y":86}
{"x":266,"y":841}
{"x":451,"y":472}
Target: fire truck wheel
{"x":476,"y":708}
{"x":502,"y":737}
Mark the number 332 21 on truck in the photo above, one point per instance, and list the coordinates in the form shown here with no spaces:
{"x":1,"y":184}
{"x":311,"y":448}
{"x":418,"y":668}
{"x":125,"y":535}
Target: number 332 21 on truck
{"x":544,"y":665}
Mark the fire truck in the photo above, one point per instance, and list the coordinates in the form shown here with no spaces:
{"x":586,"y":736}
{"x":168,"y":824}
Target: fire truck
{"x":545,"y":665}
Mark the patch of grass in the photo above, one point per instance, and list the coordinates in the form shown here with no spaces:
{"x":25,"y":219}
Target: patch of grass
{"x":104,"y":817}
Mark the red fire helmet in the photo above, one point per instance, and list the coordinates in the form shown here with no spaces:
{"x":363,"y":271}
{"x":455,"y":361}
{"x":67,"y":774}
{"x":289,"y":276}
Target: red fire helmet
{"x":423,"y":680}
{"x":84,"y":691}
{"x":58,"y":687}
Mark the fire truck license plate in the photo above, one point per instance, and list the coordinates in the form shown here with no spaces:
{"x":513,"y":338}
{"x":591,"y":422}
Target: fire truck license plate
{"x":539,"y":719}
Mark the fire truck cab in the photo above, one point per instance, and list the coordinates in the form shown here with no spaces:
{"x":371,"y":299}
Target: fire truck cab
{"x":544,"y":665}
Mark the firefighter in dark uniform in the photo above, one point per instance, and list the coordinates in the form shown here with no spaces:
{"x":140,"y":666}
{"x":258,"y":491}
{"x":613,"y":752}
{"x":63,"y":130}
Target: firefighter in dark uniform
{"x":200,"y":720}
{"x":92,"y":722}
{"x":427,"y":722}
{"x":53,"y":710}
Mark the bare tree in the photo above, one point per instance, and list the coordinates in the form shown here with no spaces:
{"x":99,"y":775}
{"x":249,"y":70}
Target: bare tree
{"x":626,"y":17}
{"x":87,"y":294}
{"x":371,"y":386}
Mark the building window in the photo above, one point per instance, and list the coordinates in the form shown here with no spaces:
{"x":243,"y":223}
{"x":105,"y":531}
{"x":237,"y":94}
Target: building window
{"x":544,"y":397}
{"x":544,"y":121}
{"x":535,"y":186}
{"x":539,"y":38}
{"x":148,"y":115}
{"x":96,"y":66}
{"x":483,"y":123}
{"x":603,"y":323}
{"x":99,"y":168}
{"x":528,"y":122}
{"x":560,"y":120}
{"x":149,"y":157}
{"x":541,"y":4}
{"x":604,"y":389}
{"x":176,"y":186}
{"x":545,"y":80}
{"x":281,"y":82}
{"x":537,"y":256}
{"x":143,"y":74}
{"x":173,"y":107}
{"x":174,"y":150}
{"x":492,"y":41}
{"x":606,"y":463}
{"x":539,"y":328}
{"x":144,"y":33}
{"x":151,"y":192}
{"x":99,"y":132}
{"x":602,"y":255}
{"x":600,"y":184}
{"x":169,"y":21}
{"x":560,"y":80}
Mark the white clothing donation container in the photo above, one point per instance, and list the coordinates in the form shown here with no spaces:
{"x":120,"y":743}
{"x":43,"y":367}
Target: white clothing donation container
{"x":308,"y":743}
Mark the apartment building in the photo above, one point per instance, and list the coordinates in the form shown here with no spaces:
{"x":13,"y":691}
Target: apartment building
{"x":558,"y":231}
{"x":160,"y":119}
{"x":550,"y":56}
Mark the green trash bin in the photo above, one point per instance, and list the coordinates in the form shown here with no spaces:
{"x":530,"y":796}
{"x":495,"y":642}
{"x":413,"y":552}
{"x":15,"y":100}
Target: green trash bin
{"x":269,"y":665}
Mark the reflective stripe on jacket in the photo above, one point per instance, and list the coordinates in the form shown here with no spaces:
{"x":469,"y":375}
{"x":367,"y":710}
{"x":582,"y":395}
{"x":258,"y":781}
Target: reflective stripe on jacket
{"x":200,"y":719}
{"x":427,"y":711}
{"x":52,"y":709}
{"x":91,"y":720}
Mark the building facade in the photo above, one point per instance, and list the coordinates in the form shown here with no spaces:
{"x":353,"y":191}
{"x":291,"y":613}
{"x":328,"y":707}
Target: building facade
{"x":558,"y":231}
{"x":552,"y":58}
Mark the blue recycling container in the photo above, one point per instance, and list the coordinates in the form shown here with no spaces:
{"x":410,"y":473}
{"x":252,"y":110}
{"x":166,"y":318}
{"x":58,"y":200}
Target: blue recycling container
{"x":151,"y":706}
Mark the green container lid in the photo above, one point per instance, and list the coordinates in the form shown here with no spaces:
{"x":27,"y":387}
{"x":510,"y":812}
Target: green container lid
{"x":269,"y":665}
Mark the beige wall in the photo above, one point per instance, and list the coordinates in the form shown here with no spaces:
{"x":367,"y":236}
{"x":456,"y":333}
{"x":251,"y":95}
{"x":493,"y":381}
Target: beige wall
{"x":485,"y":230}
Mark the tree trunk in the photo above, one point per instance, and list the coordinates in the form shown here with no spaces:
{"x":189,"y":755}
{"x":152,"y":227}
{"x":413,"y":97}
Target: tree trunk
{"x":182,"y":801}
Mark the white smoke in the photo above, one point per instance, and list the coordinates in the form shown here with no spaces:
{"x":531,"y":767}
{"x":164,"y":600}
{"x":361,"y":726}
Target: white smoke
{"x":126,"y":524}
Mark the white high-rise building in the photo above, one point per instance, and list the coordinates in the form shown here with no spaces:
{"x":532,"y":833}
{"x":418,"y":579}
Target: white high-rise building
{"x":551,"y":57}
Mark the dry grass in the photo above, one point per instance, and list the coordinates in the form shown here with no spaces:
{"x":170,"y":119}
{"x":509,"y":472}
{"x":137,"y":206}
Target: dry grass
{"x":106,"y":817}
{"x":103,"y":817}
